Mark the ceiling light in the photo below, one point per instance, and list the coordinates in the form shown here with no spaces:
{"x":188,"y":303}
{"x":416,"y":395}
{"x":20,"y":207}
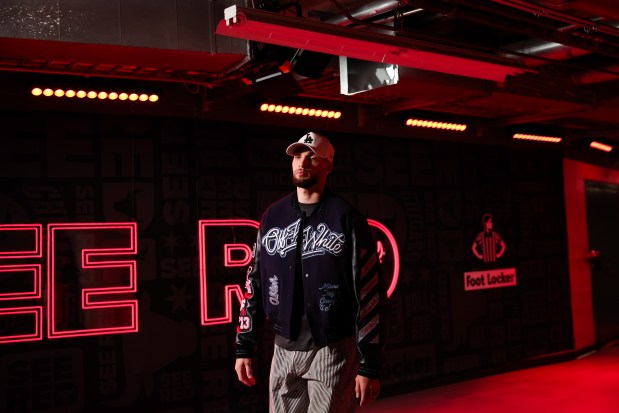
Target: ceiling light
{"x":92,"y":94}
{"x":539,"y":138}
{"x":299,"y":110}
{"x":601,"y":146}
{"x":421,"y":123}
{"x":307,"y":34}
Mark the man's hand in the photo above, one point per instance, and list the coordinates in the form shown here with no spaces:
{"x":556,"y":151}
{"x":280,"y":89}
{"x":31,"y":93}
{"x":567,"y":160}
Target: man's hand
{"x":244,"y":372}
{"x":366,"y":390}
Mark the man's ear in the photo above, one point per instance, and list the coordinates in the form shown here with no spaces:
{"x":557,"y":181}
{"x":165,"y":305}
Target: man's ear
{"x":330,"y":168}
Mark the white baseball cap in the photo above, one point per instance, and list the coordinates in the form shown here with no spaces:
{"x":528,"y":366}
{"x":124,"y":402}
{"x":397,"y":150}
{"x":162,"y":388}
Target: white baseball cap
{"x":318,"y":144}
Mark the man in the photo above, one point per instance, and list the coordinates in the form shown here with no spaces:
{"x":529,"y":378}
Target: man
{"x":488,"y":244}
{"x":315,"y":276}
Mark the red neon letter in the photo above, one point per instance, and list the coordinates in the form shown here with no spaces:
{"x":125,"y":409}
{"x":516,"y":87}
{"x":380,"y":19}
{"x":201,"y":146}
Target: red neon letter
{"x":393,"y":248}
{"x":232,"y":230}
{"x":21,"y":241}
{"x":231,"y":262}
{"x":97,"y":281}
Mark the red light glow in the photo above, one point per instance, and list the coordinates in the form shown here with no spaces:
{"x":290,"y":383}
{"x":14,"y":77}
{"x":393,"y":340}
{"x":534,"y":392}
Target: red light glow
{"x":303,"y":111}
{"x":102,"y":275}
{"x":92,"y":94}
{"x":458,"y":127}
{"x":32,"y":232}
{"x":231,"y":262}
{"x":539,"y":138}
{"x":601,"y":146}
{"x":229,"y":289}
{"x":297,"y":33}
{"x":91,"y":262}
{"x":396,"y":254}
{"x":37,"y":244}
{"x":36,"y":271}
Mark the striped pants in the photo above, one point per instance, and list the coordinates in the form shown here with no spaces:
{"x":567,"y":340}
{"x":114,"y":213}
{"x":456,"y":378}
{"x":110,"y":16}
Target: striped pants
{"x":316,"y":381}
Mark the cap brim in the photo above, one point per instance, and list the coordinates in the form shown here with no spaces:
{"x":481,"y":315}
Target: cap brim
{"x":297,"y":147}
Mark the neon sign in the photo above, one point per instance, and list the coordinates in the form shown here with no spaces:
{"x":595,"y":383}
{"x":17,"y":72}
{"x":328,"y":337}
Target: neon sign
{"x":97,"y":241}
{"x":233,"y":230}
{"x":230,"y":290}
{"x":32,"y":233}
{"x":104,"y":256}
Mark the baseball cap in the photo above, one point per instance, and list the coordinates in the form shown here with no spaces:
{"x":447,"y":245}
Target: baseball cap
{"x":314,"y":142}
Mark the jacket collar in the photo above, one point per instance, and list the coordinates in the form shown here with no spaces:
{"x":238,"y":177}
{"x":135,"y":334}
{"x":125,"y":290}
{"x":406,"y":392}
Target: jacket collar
{"x":323,"y":198}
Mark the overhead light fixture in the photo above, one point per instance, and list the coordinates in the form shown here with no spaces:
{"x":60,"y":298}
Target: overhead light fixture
{"x":539,"y":138}
{"x":424,"y":123}
{"x":300,"y":110}
{"x":93,"y":94}
{"x":358,"y":76}
{"x":300,"y":33}
{"x":600,"y":146}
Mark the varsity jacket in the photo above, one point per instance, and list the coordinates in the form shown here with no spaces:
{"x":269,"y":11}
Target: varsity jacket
{"x":340,"y":272}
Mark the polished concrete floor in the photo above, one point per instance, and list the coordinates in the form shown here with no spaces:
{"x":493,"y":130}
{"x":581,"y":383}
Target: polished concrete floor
{"x":589,"y":384}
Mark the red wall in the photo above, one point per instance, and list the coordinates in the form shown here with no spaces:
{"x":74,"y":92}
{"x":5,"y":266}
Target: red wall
{"x":575,"y":174}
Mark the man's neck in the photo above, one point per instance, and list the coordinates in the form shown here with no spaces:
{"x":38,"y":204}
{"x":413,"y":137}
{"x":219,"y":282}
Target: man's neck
{"x":309,"y":195}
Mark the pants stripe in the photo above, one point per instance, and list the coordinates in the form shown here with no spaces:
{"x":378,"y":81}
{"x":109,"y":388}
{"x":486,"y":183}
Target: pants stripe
{"x":316,"y":381}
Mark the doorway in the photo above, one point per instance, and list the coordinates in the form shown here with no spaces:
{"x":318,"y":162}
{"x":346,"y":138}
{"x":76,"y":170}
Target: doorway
{"x":602,"y":201}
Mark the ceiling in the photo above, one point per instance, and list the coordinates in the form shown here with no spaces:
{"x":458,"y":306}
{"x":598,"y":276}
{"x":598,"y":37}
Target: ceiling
{"x":561,"y":55}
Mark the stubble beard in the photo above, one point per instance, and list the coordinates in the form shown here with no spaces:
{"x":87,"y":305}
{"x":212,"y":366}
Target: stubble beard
{"x":304,"y":183}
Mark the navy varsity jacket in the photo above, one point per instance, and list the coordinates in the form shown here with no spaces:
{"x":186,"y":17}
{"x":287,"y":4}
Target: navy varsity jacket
{"x":339,"y":270}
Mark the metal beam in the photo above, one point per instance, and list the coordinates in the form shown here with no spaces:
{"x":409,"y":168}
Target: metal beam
{"x":300,"y":33}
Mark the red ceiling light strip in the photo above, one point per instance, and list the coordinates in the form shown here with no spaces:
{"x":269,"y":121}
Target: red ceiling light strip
{"x":300,"y":110}
{"x":423,"y":123}
{"x":91,"y":94}
{"x":539,"y":138}
{"x":601,"y":146}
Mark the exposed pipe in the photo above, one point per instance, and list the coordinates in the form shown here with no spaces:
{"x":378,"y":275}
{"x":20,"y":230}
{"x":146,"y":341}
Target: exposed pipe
{"x":560,"y":52}
{"x":528,"y":25}
{"x":540,"y":51}
{"x":557,"y":15}
{"x":365,"y":11}
{"x":595,"y":77}
{"x":535,"y":52}
{"x":543,"y":51}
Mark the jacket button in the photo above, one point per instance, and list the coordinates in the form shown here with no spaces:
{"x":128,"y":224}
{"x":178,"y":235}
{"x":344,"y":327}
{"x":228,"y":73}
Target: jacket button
{"x":306,"y":275}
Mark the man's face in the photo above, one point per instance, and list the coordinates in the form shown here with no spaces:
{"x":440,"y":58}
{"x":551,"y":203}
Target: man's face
{"x":308,"y":169}
{"x":489,"y":225}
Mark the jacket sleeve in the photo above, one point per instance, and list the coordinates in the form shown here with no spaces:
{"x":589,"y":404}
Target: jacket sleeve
{"x":370,"y":297}
{"x":251,"y":315}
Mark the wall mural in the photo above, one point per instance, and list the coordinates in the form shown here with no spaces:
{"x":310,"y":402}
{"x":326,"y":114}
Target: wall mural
{"x":124,"y":243}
